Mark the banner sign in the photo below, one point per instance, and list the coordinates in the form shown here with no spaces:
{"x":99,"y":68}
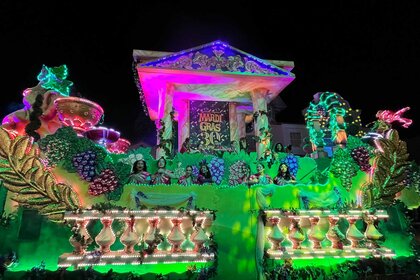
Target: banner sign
{"x":209,"y":124}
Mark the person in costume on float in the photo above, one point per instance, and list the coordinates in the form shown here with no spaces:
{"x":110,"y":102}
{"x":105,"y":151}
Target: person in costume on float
{"x":268,"y":157}
{"x":139,"y":174}
{"x":244,"y":175}
{"x":278,"y":148}
{"x":162,"y":176}
{"x":284,"y":176}
{"x":259,"y":177}
{"x":187,"y":179}
{"x":243,"y":145}
{"x":204,"y":175}
{"x":186,"y":146}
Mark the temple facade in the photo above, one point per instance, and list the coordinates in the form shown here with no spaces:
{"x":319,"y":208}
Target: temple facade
{"x":168,"y":83}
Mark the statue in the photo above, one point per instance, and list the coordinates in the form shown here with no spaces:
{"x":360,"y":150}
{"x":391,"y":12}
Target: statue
{"x":39,"y":116}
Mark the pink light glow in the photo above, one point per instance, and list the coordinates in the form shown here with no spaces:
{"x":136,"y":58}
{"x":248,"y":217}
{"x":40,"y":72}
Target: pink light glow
{"x":389,"y":117}
{"x":202,"y":85}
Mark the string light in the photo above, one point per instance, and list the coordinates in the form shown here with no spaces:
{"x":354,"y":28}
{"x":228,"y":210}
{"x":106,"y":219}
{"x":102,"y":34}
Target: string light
{"x":137,"y":214}
{"x":337,"y":254}
{"x":113,"y":259}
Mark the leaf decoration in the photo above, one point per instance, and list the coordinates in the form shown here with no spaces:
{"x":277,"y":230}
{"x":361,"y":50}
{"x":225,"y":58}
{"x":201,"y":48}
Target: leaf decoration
{"x":33,"y":185}
{"x":391,"y":166}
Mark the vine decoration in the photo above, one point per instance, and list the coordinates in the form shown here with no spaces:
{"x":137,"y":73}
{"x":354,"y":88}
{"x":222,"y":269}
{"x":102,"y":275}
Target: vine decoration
{"x":259,"y":113}
{"x":329,"y":114}
{"x":33,"y":186}
{"x":265,"y":135}
{"x":390,"y":170}
{"x":166,"y":143}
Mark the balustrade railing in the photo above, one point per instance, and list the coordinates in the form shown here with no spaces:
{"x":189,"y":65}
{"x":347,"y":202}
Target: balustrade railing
{"x":309,"y":234}
{"x":144,"y":227}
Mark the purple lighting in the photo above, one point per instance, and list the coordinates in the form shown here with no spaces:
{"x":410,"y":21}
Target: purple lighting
{"x":218,"y":57}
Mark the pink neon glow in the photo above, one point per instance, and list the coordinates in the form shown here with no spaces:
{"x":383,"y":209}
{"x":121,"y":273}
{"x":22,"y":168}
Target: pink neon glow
{"x":389,"y":117}
{"x":202,"y":85}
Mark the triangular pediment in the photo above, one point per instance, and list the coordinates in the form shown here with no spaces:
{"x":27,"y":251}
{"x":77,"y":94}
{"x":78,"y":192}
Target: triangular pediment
{"x":217,"y":57}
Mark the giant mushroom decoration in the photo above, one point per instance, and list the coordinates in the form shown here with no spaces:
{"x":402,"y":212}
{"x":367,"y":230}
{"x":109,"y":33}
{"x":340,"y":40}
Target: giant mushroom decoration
{"x":102,"y":135}
{"x":119,"y":147}
{"x":79,"y":113}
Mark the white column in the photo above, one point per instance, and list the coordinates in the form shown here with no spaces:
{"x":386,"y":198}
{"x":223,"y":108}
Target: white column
{"x":183,"y":122}
{"x":165,"y":125}
{"x":261,"y":126}
{"x":240,"y":118}
{"x":233,"y":124}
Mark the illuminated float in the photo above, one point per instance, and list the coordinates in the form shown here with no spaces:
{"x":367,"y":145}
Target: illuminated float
{"x":58,"y":161}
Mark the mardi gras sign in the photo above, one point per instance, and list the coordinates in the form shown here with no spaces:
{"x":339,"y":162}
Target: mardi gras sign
{"x":209,"y":124}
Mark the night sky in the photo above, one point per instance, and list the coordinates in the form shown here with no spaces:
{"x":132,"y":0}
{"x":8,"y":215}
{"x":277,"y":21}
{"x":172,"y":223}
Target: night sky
{"x":367,"y":51}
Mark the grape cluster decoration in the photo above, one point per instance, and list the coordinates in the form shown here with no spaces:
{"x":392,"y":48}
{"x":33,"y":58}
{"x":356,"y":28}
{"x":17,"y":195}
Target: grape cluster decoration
{"x":217,"y":169}
{"x":55,"y":150}
{"x":344,"y":167}
{"x":195,"y":171}
{"x":292,"y":163}
{"x":85,"y":164}
{"x":361,"y":157}
{"x":106,"y":182}
{"x":237,"y":172}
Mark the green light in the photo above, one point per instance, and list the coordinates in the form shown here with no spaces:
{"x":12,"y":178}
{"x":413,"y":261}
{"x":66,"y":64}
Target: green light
{"x":54,"y":78}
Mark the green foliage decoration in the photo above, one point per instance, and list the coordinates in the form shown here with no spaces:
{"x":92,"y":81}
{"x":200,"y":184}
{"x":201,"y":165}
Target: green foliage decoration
{"x":61,"y":146}
{"x":344,"y":167}
{"x":33,"y":186}
{"x":391,"y":167}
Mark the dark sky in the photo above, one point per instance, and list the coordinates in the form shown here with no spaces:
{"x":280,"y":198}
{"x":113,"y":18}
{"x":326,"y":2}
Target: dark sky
{"x":367,"y":51}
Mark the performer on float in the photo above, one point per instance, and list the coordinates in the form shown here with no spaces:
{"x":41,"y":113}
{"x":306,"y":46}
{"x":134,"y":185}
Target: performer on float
{"x":245,"y":171}
{"x":204,"y":175}
{"x":139,"y":174}
{"x":268,"y":158}
{"x":259,"y":177}
{"x":243,"y":145}
{"x":162,"y":176}
{"x":284,"y":176}
{"x":187,"y":179}
{"x":186,"y":146}
{"x":278,"y":148}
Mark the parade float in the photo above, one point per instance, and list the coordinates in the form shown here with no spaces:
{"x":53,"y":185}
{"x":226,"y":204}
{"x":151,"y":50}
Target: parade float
{"x":79,"y":203}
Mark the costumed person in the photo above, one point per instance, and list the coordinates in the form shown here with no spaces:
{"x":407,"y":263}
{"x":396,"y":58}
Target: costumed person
{"x":284,"y":176}
{"x":187,"y":179}
{"x":288,"y":149}
{"x":243,"y":145}
{"x":139,"y":174}
{"x":278,"y":148}
{"x":204,"y":175}
{"x":244,"y":175}
{"x":259,"y":177}
{"x":268,"y":157}
{"x":186,"y":146}
{"x":162,"y":176}
{"x":234,"y":147}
